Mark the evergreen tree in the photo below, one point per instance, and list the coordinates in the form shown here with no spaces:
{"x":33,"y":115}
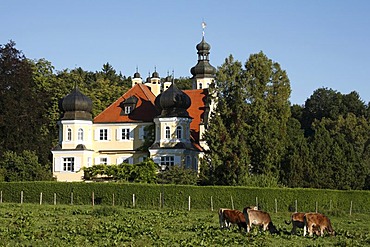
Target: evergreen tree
{"x":226,"y":161}
{"x":268,"y":110}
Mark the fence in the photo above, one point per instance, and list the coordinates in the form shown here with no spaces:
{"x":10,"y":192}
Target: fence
{"x":185,"y":197}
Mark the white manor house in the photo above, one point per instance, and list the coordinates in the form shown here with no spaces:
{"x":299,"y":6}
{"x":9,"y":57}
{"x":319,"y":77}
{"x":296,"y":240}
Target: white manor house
{"x":178,"y":119}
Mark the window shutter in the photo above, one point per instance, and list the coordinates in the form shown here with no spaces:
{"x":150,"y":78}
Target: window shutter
{"x":141,"y":133}
{"x":119,"y":161}
{"x":131,"y":160}
{"x":109,"y":134}
{"x":97,"y":134}
{"x":157,"y":159}
{"x":118,"y":134}
{"x":131,"y":134}
{"x":78,"y":164}
{"x":97,"y":160}
{"x":177,"y":160}
{"x":58,"y":165}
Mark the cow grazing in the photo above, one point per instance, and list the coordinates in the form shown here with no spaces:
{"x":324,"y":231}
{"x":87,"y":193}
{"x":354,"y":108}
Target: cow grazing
{"x":228,"y":217}
{"x":297,"y":221}
{"x":315,"y":221}
{"x":258,"y":218}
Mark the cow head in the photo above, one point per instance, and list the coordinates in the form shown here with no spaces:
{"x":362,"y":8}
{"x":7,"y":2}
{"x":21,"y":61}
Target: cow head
{"x":272,"y":228}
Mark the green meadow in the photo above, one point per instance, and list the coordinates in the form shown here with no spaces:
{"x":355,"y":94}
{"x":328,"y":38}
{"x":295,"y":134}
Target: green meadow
{"x":81,"y":225}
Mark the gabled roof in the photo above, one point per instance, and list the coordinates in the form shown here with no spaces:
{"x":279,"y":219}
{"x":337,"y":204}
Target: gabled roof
{"x":144,"y":111}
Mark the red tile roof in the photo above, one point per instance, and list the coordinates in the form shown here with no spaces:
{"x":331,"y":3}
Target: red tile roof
{"x":145,"y":109}
{"x":196,"y":110}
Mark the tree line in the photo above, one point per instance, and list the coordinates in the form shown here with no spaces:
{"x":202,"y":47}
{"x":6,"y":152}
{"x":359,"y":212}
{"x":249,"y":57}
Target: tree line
{"x":255,"y":136}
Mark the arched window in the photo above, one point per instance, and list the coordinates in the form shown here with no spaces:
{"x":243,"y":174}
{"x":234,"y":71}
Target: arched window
{"x":179,"y":132}
{"x":69,"y":134}
{"x":80,"y":134}
{"x":168,"y":132}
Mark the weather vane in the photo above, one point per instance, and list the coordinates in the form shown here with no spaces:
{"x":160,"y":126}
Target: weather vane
{"x":203,"y":27}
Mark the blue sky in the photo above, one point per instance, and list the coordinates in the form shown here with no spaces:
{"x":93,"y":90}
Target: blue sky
{"x":320,"y":43}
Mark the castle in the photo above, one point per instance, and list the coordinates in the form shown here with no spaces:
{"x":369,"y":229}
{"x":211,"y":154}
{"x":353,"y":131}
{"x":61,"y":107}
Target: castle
{"x":176,"y":118}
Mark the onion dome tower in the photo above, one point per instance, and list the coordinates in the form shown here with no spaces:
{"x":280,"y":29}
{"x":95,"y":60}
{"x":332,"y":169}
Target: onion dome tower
{"x":172,"y":145}
{"x":173,"y":102}
{"x":77,"y":106}
{"x":203,"y":72}
{"x":137,"y":78}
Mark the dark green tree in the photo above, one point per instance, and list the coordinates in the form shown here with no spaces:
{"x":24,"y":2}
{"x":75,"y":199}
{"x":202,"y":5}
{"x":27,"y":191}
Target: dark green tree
{"x":23,"y":167}
{"x":22,"y":106}
{"x":268,"y":110}
{"x":296,"y":165}
{"x":227,"y":159}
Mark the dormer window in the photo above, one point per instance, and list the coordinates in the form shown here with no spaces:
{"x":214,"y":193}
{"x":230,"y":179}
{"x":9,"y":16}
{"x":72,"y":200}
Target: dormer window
{"x":128,"y":109}
{"x":128,"y":105}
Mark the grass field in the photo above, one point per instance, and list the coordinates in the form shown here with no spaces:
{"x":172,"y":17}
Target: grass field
{"x":66,"y":225}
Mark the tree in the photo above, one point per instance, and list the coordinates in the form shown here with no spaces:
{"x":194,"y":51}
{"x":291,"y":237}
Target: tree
{"x":22,"y":106}
{"x":341,"y":152}
{"x":331,"y":104}
{"x":226,"y":161}
{"x":23,"y":167}
{"x":296,"y":165}
{"x":268,"y":110}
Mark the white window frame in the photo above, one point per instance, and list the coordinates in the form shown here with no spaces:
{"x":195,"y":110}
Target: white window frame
{"x":125,"y":134}
{"x":68,"y":164}
{"x":80,"y":134}
{"x":167,"y":132}
{"x":167,"y":160}
{"x":179,"y":132}
{"x":69,"y":134}
{"x":103,"y":136}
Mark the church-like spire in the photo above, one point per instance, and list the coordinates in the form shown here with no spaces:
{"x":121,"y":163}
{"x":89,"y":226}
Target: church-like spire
{"x":203,"y":69}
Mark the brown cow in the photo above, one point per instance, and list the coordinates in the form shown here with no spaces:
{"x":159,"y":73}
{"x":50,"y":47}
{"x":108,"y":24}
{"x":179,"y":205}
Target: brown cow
{"x":312,"y":220}
{"x":259,"y":218}
{"x":229,"y":216}
{"x":297,"y":221}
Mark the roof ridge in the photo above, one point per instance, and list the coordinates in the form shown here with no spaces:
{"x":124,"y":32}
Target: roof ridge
{"x":144,"y":91}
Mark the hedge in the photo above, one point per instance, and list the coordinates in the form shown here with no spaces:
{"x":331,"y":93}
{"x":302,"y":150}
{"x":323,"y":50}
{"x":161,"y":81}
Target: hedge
{"x":177,"y":196}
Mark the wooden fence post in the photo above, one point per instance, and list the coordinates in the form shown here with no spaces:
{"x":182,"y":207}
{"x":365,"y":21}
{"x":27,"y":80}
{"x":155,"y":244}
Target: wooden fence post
{"x":113,"y":199}
{"x":256,"y":201}
{"x":92,"y":199}
{"x":275,"y":205}
{"x":71,"y":198}
{"x":1,"y":197}
{"x":316,"y":206}
{"x":21,"y":196}
{"x":350,"y":209}
{"x":133,"y":200}
{"x":40,"y":198}
{"x":211,"y":204}
{"x":296,"y":206}
{"x":232,"y":203}
{"x":189,"y":203}
{"x":55,"y":198}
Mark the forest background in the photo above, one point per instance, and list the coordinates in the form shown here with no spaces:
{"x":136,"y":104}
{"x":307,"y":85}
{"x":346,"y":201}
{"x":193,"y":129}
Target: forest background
{"x":255,"y":134}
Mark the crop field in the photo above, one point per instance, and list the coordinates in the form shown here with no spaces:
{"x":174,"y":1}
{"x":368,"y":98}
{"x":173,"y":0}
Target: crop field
{"x":67,"y":225}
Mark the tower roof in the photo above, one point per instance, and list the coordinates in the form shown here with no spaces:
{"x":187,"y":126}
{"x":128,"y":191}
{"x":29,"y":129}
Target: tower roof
{"x":77,"y":106}
{"x":203,"y":69}
{"x":173,"y":102}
